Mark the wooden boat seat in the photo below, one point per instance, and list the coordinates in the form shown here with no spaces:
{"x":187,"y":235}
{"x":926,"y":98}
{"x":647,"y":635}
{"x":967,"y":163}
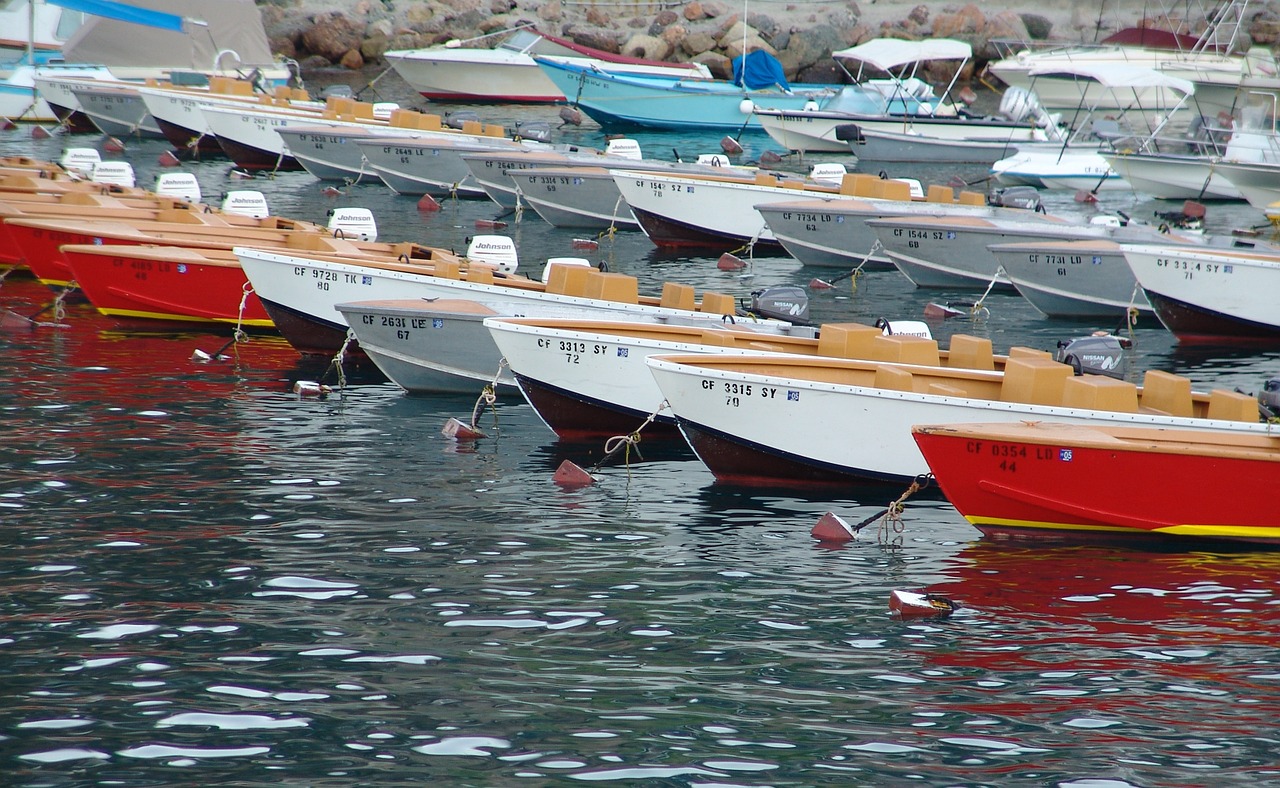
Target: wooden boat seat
{"x":494,"y":130}
{"x":717,"y":338}
{"x":1099,"y":392}
{"x":895,"y":378}
{"x":846,"y":340}
{"x":1017,"y":351}
{"x":945,"y":390}
{"x":849,"y":183}
{"x":971,"y":198}
{"x":970,"y":352}
{"x":1232,"y":406}
{"x":570,"y":280}
{"x":766,"y":179}
{"x":480,"y":274}
{"x":903,"y":349}
{"x":718,"y":304}
{"x":1033,"y":380}
{"x":939,"y":193}
{"x":678,"y":296}
{"x":404,"y":118}
{"x":613,"y":287}
{"x":473,"y":127}
{"x":448,"y":269}
{"x":866,"y":185}
{"x":895,"y":190}
{"x":792,"y":185}
{"x":1166,"y":393}
{"x":363,"y":110}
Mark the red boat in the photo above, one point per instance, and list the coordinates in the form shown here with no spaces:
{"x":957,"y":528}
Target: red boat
{"x":1043,"y":479}
{"x":176,"y":285}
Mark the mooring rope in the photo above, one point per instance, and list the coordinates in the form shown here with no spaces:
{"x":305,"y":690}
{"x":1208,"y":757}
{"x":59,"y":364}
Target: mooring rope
{"x":625,"y":442}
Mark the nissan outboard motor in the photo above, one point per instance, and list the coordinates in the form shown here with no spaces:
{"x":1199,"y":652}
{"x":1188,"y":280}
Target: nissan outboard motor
{"x":1269,"y":397}
{"x":782,"y":302}
{"x":538,"y":131}
{"x":1095,"y":355}
{"x":1026,"y":197}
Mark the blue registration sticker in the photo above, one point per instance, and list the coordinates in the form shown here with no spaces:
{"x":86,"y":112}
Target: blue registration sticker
{"x":366,"y":280}
{"x":793,"y":396}
{"x":437,"y":322}
{"x":623,"y":352}
{"x":1065,"y":455}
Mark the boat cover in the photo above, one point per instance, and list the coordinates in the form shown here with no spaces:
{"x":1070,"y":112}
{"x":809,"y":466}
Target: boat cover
{"x":761,"y":70}
{"x":225,"y":24}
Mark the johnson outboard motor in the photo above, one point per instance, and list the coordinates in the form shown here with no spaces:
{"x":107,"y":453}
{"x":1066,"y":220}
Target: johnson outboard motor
{"x":1101,"y":354}
{"x":782,"y":302}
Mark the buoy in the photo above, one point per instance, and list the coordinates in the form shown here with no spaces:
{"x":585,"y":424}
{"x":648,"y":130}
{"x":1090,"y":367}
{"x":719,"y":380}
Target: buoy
{"x":489,"y":224}
{"x":572,"y":475}
{"x":10,"y":320}
{"x":585,"y":243}
{"x":331,"y":191}
{"x":309,"y":388}
{"x":571,"y":116}
{"x":168,"y":159}
{"x":460,"y":432}
{"x":729,"y":262}
{"x":915,"y":604}
{"x":769,"y":157}
{"x":7,"y":125}
{"x":1086,"y":197}
{"x":113,"y":145}
{"x":831,"y":527}
{"x":820,"y":284}
{"x":39,"y":133}
{"x":934,"y":309}
{"x":243,"y":175}
{"x":428,"y":203}
{"x":730,"y":146}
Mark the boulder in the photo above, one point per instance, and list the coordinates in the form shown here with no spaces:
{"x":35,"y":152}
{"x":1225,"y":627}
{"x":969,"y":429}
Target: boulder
{"x":967,"y":21}
{"x":551,"y":11}
{"x":332,"y":36}
{"x":604,"y":40}
{"x":1037,"y":26}
{"x":693,"y":11}
{"x":352,"y":60}
{"x":646,"y":46}
{"x":697,"y":43}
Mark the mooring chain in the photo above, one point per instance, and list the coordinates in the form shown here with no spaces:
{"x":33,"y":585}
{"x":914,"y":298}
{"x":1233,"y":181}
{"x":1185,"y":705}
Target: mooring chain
{"x":337,"y":364}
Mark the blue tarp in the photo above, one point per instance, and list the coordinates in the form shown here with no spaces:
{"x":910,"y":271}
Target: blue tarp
{"x":762,"y":71}
{"x":124,"y":13}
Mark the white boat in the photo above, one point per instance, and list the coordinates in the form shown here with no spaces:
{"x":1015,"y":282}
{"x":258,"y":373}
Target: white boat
{"x":430,"y":163}
{"x":1078,"y":163}
{"x":116,"y":109}
{"x":300,"y":292}
{"x":1210,"y":295}
{"x":1203,"y":60}
{"x":760,"y":420}
{"x":508,"y":72}
{"x":178,"y":109}
{"x":32,"y":32}
{"x":678,"y":210}
{"x":1083,"y":279}
{"x":333,"y":154}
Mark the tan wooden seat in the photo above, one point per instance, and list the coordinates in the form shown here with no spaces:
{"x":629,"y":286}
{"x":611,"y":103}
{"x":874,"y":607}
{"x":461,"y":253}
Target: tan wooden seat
{"x":480,"y":274}
{"x":971,"y":198}
{"x":1017,"y":351}
{"x":718,"y":304}
{"x":1232,"y":406}
{"x":1034,"y":380}
{"x":677,"y":296}
{"x":896,"y":378}
{"x":1098,"y":392}
{"x":1167,"y":393}
{"x":904,"y":349}
{"x":448,"y":269}
{"x":766,"y":179}
{"x":846,"y":340}
{"x":970,"y":352}
{"x":939,"y":193}
{"x":946,"y":390}
{"x":568,"y":280}
{"x":716,"y":337}
{"x":895,"y":190}
{"x":612,"y":287}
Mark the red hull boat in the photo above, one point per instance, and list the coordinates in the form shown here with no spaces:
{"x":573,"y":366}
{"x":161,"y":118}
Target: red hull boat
{"x":1117,"y":482}
{"x":176,"y":285}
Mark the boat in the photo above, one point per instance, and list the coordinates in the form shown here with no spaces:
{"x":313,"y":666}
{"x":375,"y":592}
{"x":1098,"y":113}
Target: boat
{"x":718,"y":211}
{"x":1082,"y":279}
{"x":332,"y":154}
{"x":947,"y":132}
{"x":431,"y":163}
{"x":32,"y":32}
{"x":300,"y":291}
{"x":1210,"y":295}
{"x":832,"y":232}
{"x":1035,"y":479}
{"x":454,"y":71}
{"x":783,"y":420}
{"x":625,"y":100}
{"x":1207,"y":59}
{"x":177,"y":109}
{"x":606,"y":389}
{"x":1152,"y":99}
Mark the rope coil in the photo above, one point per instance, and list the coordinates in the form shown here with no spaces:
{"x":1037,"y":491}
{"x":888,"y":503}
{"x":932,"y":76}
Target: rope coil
{"x":625,"y":442}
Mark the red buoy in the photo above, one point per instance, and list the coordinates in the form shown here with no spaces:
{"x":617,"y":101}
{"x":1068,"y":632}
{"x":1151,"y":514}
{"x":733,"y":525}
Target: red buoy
{"x":304,"y":388}
{"x":820,"y":284}
{"x":730,"y":146}
{"x":585,"y":243}
{"x":571,"y":475}
{"x":460,"y":432}
{"x":428,"y":203}
{"x":40,"y":133}
{"x":933,"y":309}
{"x":729,"y":262}
{"x":917,"y":604}
{"x":831,"y":527}
{"x":113,"y":145}
{"x":489,"y":224}
{"x":331,"y":191}
{"x":168,"y":159}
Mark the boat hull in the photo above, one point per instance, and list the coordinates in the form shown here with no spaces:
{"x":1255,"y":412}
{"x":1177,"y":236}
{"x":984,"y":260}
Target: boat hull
{"x":581,"y":197}
{"x":1073,"y":279}
{"x":426,"y":166}
{"x":329,"y":156}
{"x":1051,"y":480}
{"x":1170,"y":177}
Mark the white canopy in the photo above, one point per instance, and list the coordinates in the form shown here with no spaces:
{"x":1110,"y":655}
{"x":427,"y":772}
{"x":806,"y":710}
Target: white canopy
{"x":224,"y":24}
{"x":1114,"y":75}
{"x":889,"y":53}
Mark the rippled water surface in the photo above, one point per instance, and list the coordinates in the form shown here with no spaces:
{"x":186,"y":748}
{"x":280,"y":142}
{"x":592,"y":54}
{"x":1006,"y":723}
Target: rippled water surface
{"x":209,"y":578}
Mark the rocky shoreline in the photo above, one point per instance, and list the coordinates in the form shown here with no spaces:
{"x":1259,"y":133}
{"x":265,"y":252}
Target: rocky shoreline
{"x":354,"y":34}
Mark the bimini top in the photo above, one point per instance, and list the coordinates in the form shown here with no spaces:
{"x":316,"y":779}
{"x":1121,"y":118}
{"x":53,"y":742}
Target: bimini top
{"x":887,"y":54}
{"x":1114,"y":75}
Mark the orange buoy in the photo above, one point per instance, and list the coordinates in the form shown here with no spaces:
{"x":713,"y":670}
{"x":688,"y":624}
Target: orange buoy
{"x":572,"y":475}
{"x":113,"y":145}
{"x":168,"y":159}
{"x":40,"y":133}
{"x":428,"y":203}
{"x":331,"y":191}
{"x":489,"y":224}
{"x":916,"y":604}
{"x":933,"y":309}
{"x":730,"y":146}
{"x":820,"y":284}
{"x":7,"y":125}
{"x":458,"y":431}
{"x":729,"y":262}
{"x":585,"y":243}
{"x":831,"y":527}
{"x":309,"y":388}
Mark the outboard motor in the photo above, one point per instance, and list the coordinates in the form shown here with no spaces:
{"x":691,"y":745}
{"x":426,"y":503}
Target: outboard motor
{"x":1101,"y":354}
{"x":1269,"y":397}
{"x":850,"y":133}
{"x":909,"y":328}
{"x":782,"y":302}
{"x":339,"y":90}
{"x":1026,"y":197}
{"x":538,"y":131}
{"x":455,"y":120}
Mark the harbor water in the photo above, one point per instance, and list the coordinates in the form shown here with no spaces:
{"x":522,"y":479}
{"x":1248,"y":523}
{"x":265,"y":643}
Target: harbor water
{"x":211,"y":579}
